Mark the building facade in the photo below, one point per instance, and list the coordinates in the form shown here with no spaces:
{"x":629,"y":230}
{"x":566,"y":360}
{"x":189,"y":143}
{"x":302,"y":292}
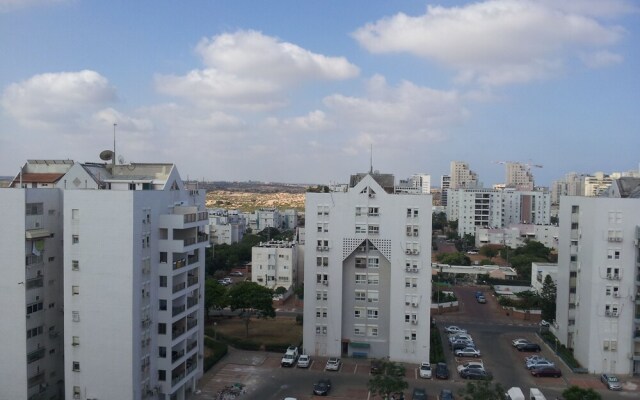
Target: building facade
{"x":274,"y":264}
{"x":598,"y":293}
{"x":367,"y":271}
{"x":121,"y":249}
{"x":518,"y":176}
{"x":461,"y":177}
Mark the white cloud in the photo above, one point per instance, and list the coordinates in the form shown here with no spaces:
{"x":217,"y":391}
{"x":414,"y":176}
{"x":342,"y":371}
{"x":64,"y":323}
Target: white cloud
{"x":314,"y":121}
{"x":247,"y":69}
{"x":10,"y":5}
{"x":393,"y":117}
{"x":601,"y":59}
{"x":496,"y":41}
{"x":51,"y":99}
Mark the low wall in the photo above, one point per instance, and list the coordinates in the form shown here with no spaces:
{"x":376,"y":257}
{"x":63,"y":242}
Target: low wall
{"x":524,"y":315}
{"x":443,"y":308}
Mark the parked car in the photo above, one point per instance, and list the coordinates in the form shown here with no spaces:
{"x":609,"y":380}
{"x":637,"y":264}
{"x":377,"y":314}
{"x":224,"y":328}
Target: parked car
{"x":532,"y":358}
{"x":547,"y":371}
{"x":442,"y":371}
{"x":471,"y":365}
{"x":472,"y":252}
{"x":454,"y":329}
{"x":333,"y":364}
{"x":322,"y":387}
{"x":376,"y":367}
{"x":473,"y":373}
{"x":516,"y":342}
{"x":419,"y":394}
{"x":236,"y":273}
{"x":425,"y":370}
{"x":304,"y":361}
{"x":445,"y":394}
{"x":611,"y":381}
{"x":396,"y":396}
{"x":479,"y":293}
{"x":290,"y":357}
{"x":481,"y":299}
{"x":228,"y":280}
{"x":460,"y":336}
{"x":461,"y":344}
{"x":528,"y":347}
{"x":468,"y":352}
{"x":544,"y":323}
{"x":540,"y":363}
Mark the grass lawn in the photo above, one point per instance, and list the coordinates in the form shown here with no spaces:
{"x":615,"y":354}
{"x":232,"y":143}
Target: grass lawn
{"x":264,"y":330}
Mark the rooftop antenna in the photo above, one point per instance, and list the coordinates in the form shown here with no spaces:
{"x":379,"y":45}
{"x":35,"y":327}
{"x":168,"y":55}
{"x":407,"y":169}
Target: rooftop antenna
{"x":371,"y":158}
{"x":113,"y":161}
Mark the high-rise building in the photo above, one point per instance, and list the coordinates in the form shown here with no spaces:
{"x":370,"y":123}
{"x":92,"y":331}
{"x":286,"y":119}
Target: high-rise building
{"x":518,"y":176}
{"x":368,"y":271}
{"x":598,"y":311}
{"x":108,"y":262}
{"x":492,"y":208}
{"x":461,"y":177}
{"x":445,"y":182}
{"x":274,"y":264}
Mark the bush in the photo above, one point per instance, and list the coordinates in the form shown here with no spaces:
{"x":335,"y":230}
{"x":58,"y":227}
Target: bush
{"x":239,"y":343}
{"x":219,"y":350}
{"x":564,"y":353}
{"x":276,"y":347}
{"x":436,"y":351}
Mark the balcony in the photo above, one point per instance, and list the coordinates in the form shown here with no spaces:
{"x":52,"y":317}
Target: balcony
{"x":35,"y":380}
{"x":192,"y":345}
{"x":177,"y":332}
{"x":192,"y":259}
{"x":176,"y":355}
{"x":177,"y":378}
{"x":34,"y":283}
{"x":192,"y":301}
{"x":179,"y":264}
{"x":191,"y":323}
{"x":179,"y":287}
{"x":32,"y":259}
{"x":35,"y":355}
{"x":192,"y":280}
{"x":612,"y":314}
{"x":177,"y":310}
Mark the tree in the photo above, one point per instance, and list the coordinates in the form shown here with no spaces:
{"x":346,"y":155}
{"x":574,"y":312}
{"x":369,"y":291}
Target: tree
{"x":468,"y":241}
{"x":215,"y":296}
{"x":438,"y":221}
{"x":453,"y":259}
{"x":389,"y":380}
{"x":548,"y":299}
{"x":253,"y":300}
{"x":280,"y":290}
{"x":489,"y":251}
{"x":577,"y":393}
{"x":482,"y":390}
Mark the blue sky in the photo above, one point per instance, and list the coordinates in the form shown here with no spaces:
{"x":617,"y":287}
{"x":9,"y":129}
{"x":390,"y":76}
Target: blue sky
{"x":298,"y":91}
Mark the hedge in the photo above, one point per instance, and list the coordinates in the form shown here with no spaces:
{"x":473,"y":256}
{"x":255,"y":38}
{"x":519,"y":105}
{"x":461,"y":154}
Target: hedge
{"x":239,"y":343}
{"x":563,"y":352}
{"x":219,"y":350}
{"x":436,"y":351}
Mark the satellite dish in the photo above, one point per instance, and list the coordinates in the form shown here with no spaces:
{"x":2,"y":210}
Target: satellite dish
{"x":106,"y":155}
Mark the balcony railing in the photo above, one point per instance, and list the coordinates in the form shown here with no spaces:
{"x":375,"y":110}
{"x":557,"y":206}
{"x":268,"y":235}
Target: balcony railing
{"x":176,"y":333}
{"x":176,"y":379}
{"x":192,"y":259}
{"x":192,"y":280}
{"x":35,"y":355}
{"x":32,"y":259}
{"x":191,"y":323}
{"x":34,"y":282}
{"x":177,"y":310}
{"x":192,"y":301}
{"x":179,"y":287}
{"x":179,"y":264}
{"x":192,"y":345}
{"x":35,"y":380}
{"x":203,"y":237}
{"x":175,"y":356}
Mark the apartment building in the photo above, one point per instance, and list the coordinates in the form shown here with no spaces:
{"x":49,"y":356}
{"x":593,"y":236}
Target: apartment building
{"x":367,"y":271}
{"x":492,"y":208}
{"x":598,"y":306}
{"x":461,"y":177}
{"x":417,"y":183}
{"x":539,"y":273}
{"x":518,"y":176}
{"x":517,"y":235}
{"x":225,"y":226}
{"x":108,"y":261}
{"x":271,"y":218}
{"x":274,"y":264}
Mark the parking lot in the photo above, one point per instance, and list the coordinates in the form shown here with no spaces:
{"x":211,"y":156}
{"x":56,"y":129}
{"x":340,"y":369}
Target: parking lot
{"x":492,"y":332}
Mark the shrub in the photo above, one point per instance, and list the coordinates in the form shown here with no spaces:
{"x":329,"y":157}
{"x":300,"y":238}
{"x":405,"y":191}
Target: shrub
{"x":436,"y":351}
{"x":219,"y":350}
{"x":276,"y":347}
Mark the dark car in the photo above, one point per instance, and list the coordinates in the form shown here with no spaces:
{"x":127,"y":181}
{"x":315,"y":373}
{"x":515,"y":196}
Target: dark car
{"x":530,"y":347}
{"x":445,"y":394}
{"x":322,"y":387}
{"x":419,"y":394}
{"x":475,"y":373}
{"x":397,"y":396}
{"x":376,"y":367}
{"x":547,"y":371}
{"x":442,"y":371}
{"x":461,"y":344}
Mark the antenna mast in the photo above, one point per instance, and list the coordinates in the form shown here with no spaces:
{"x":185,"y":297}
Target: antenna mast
{"x":113,"y":161}
{"x":371,"y":158}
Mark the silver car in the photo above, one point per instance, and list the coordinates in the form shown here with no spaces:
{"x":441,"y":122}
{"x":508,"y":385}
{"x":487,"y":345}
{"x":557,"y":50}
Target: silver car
{"x":333,"y":364}
{"x":611,"y":381}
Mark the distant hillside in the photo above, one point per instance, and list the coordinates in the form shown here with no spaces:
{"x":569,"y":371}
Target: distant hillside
{"x":249,"y":196}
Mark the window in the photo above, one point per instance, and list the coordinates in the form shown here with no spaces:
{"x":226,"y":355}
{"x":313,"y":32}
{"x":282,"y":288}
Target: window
{"x":75,"y":239}
{"x":34,"y":332}
{"x":575,"y":209}
{"x":373,"y":279}
{"x":75,"y":213}
{"x":613,"y":254}
{"x":361,"y":262}
{"x":374,"y":229}
{"x":359,"y":330}
{"x":361,"y":279}
{"x":361,"y":228}
{"x":373,"y":211}
{"x":372,"y":296}
{"x":75,"y":265}
{"x":34,"y":307}
{"x":75,"y":316}
{"x":162,"y":375}
{"x":76,"y":366}
{"x":323,"y":227}
{"x":162,"y":305}
{"x":322,"y":278}
{"x":34,"y":209}
{"x":75,"y":340}
{"x":372,"y":313}
{"x":162,"y":329}
{"x":358,"y":312}
{"x":361,"y":295}
{"x":162,"y":352}
{"x":373,"y":262}
{"x":163,"y":280}
{"x":321,"y":329}
{"x":76,"y":391}
{"x":323,"y":210}
{"x":372,"y":331}
{"x":163,"y":256}
{"x":414,"y":336}
{"x":322,"y":261}
{"x":75,"y":290}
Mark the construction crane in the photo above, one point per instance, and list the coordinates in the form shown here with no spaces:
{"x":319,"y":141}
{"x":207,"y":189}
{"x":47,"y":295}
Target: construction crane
{"x":529,"y":164}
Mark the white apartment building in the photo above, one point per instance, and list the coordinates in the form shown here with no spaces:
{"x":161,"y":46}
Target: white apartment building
{"x":461,"y":177}
{"x":417,"y":183}
{"x":225,"y":226}
{"x":518,"y":176}
{"x":598,"y":306}
{"x":274,"y":264}
{"x":539,"y":273}
{"x":121,"y":250}
{"x":367,"y":271}
{"x":517,"y":235}
{"x":445,"y":182}
{"x":271,"y":218}
{"x":491,"y":208}
{"x":597,"y":183}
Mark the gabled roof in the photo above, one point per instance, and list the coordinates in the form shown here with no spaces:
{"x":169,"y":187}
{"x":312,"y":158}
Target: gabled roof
{"x":39,"y":177}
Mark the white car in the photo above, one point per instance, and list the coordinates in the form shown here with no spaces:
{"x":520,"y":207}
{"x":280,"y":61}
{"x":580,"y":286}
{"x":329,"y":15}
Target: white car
{"x":540,"y":364}
{"x":304,"y":361}
{"x":533,"y":358}
{"x":454,"y":329}
{"x":516,"y":342}
{"x":460,"y":336}
{"x":425,"y":370}
{"x":333,"y":364}
{"x":471,"y":365}
{"x":468,"y":352}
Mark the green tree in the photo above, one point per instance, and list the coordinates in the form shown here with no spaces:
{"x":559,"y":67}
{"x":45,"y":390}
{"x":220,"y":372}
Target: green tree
{"x":453,"y":225}
{"x":253,"y":300}
{"x":468,"y":241}
{"x":389,"y":380}
{"x":215,"y":296}
{"x":280,"y":290}
{"x":578,"y":393}
{"x":489,"y":251}
{"x":548,"y":299}
{"x":482,"y":390}
{"x":453,"y":259}
{"x":438,"y":221}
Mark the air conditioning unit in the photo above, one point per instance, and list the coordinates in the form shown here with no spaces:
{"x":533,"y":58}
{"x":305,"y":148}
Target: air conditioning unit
{"x":407,"y":302}
{"x":416,"y":251}
{"x":614,"y":313}
{"x":609,"y":276}
{"x":607,"y":313}
{"x":414,"y":321}
{"x":616,"y":294}
{"x":414,"y":304}
{"x":408,"y":251}
{"x":408,"y":269}
{"x":616,"y":276}
{"x":415,"y":233}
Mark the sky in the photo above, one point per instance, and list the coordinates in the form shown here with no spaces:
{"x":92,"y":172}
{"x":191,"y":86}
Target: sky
{"x":312,"y":91}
